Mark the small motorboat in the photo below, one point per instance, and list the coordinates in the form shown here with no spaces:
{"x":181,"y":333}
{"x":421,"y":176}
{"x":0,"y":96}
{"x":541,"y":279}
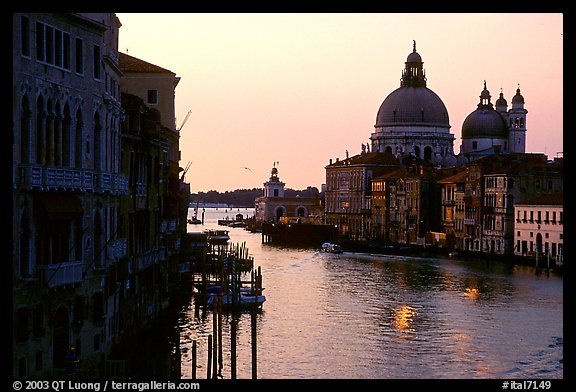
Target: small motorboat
{"x":330,"y":247}
{"x":217,"y":236}
{"x":246,"y":298}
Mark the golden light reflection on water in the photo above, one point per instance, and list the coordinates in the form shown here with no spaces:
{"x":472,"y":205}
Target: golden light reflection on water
{"x":471,"y":293}
{"x":404,"y":318}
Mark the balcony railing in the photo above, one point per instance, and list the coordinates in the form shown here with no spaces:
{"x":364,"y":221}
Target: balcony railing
{"x":147,"y":259}
{"x":55,"y":275}
{"x":117,"y":249}
{"x":51,"y":177}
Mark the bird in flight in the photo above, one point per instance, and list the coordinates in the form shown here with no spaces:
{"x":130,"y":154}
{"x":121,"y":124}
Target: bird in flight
{"x":247,"y":168}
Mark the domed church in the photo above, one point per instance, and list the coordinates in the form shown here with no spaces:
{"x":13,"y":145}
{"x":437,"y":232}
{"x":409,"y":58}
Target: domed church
{"x":413,"y":119}
{"x":488,"y":130}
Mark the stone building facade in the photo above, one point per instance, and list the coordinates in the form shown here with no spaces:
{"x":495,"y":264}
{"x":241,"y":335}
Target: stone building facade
{"x":83,"y":178}
{"x":539,"y":229}
{"x":67,"y":185}
{"x":274,"y":206}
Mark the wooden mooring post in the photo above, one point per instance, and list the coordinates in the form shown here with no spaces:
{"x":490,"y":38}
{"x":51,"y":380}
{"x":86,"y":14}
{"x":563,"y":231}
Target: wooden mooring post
{"x":233,"y":324}
{"x":194,"y":360}
{"x":254,"y":350}
{"x":209,"y":367}
{"x":219,"y":309}
{"x":215,"y":340}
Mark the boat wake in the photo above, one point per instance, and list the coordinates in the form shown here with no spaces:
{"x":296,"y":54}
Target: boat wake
{"x":546,"y":363}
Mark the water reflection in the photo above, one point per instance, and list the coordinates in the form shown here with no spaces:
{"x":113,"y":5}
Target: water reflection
{"x":403,"y":320}
{"x":371,"y":316}
{"x":471,"y":292}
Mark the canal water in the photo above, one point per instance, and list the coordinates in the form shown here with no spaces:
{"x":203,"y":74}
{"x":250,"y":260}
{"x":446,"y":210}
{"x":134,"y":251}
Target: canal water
{"x":362,"y":316}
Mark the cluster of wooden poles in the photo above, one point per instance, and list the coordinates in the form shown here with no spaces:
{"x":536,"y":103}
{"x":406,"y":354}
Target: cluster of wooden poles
{"x":214,"y":360}
{"x":229,"y":278}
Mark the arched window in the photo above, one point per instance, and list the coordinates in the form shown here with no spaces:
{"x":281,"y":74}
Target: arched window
{"x":66,"y":120}
{"x":25,"y":244}
{"x":78,"y":135}
{"x":49,"y":133}
{"x":40,"y":132}
{"x":427,"y":153}
{"x":57,"y":135}
{"x":25,"y":130}
{"x":98,"y":241}
{"x":279,"y":213}
{"x":97,"y":142}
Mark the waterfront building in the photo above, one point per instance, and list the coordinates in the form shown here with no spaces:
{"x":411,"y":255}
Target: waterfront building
{"x":95,"y":198}
{"x":349,"y":191}
{"x":452,"y":208}
{"x":413,"y":119}
{"x":274,"y":206}
{"x":380,"y":212}
{"x":539,"y":229}
{"x":488,"y":130}
{"x":67,"y":186}
{"x":404,"y":203}
{"x":473,"y":193}
{"x":138,"y":284}
{"x":513,"y":179}
{"x":156,"y":87}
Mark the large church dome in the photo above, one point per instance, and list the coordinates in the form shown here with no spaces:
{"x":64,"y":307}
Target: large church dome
{"x":412,"y":105}
{"x":412,"y":119}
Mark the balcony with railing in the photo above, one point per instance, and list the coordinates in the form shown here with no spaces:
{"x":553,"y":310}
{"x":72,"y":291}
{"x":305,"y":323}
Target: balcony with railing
{"x":66,"y":178}
{"x":60,"y":274}
{"x":145,"y":260}
{"x":116,"y":249}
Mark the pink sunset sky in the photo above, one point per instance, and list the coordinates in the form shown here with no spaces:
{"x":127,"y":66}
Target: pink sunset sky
{"x":303,"y":88}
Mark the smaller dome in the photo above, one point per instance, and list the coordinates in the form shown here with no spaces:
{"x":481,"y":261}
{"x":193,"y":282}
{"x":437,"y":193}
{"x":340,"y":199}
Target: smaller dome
{"x":501,"y":101}
{"x":518,"y":98}
{"x":414,"y":57}
{"x":484,"y":123}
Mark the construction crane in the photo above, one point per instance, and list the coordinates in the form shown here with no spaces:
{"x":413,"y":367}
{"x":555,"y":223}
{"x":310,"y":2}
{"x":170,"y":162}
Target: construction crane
{"x":185,"y":119}
{"x":185,"y":170}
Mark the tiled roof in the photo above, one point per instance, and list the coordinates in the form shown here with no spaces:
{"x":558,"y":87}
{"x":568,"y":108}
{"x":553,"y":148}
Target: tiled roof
{"x":370,"y":158}
{"x":556,"y":198}
{"x":456,"y":178}
{"x":132,"y":64}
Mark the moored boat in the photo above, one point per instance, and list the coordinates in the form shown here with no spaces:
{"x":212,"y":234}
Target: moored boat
{"x":330,"y":247}
{"x":246,"y":298}
{"x":217,"y":236}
